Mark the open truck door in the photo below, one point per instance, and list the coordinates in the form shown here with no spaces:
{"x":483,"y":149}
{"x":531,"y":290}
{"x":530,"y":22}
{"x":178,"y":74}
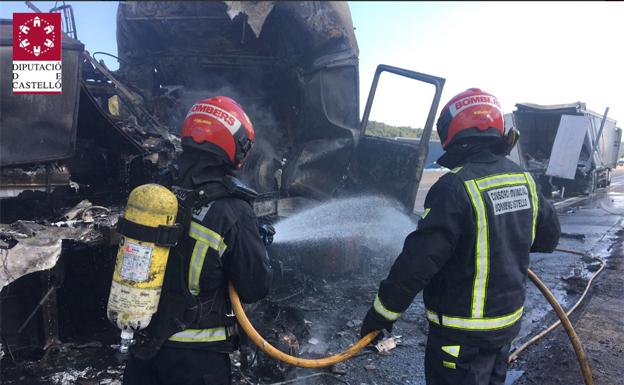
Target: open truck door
{"x":393,"y":166}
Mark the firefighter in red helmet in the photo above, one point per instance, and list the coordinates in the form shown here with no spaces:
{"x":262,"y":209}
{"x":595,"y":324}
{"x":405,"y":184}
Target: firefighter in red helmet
{"x":191,"y":335}
{"x":470,"y":251}
{"x":220,"y":127}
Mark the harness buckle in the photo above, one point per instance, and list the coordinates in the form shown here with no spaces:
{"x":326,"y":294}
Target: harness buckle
{"x":168,"y":236}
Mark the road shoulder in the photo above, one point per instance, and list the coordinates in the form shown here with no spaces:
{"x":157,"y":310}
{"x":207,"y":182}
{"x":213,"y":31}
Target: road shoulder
{"x":600,"y":326}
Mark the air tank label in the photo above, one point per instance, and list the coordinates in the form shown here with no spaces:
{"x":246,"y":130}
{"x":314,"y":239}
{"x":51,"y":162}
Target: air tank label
{"x":135,"y":262}
{"x":125,"y":299}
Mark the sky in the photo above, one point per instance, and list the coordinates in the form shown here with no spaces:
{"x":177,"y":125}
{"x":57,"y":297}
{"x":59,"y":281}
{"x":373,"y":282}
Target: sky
{"x":535,"y":52}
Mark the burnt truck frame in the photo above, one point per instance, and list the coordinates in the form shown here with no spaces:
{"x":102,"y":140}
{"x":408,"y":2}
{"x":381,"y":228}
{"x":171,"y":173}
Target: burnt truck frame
{"x":546,"y":129}
{"x":292,"y":65}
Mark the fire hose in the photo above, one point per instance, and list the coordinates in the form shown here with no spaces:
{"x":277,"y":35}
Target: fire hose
{"x":514,"y":355}
{"x":586,"y":370}
{"x":269,"y":349}
{"x":567,"y":325}
{"x":279,"y":355}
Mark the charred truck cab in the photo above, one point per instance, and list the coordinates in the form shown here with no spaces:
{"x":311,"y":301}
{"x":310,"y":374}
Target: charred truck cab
{"x":293,"y":67}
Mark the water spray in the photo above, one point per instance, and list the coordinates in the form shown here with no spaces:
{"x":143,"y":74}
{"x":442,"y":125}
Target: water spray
{"x":378,"y":222}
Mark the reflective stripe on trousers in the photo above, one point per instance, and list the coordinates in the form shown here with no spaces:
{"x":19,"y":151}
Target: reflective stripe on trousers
{"x":475,"y":188}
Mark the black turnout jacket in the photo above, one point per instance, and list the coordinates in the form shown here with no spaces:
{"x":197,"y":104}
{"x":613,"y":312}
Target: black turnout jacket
{"x":221,"y":244}
{"x":470,"y":252}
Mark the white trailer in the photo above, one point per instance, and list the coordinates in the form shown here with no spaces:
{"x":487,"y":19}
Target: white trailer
{"x":567,"y":147}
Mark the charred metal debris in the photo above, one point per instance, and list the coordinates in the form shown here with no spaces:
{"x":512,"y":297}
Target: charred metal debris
{"x":552,"y":135}
{"x":293,"y":66}
{"x":66,"y":167}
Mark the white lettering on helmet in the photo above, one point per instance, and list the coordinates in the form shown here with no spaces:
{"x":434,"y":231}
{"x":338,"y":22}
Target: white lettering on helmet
{"x":474,"y":100}
{"x":228,"y":120}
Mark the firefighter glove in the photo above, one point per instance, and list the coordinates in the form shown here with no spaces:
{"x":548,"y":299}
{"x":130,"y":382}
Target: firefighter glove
{"x":266,"y":232}
{"x":373,"y":321}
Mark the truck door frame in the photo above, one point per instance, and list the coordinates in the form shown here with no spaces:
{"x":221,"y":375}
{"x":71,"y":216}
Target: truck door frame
{"x":423,"y":146}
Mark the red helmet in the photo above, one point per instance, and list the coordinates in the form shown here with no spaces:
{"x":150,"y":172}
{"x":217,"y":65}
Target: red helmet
{"x":470,"y":113}
{"x":220,"y":126}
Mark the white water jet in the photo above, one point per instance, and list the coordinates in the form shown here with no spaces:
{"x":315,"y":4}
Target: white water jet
{"x":377,"y":222}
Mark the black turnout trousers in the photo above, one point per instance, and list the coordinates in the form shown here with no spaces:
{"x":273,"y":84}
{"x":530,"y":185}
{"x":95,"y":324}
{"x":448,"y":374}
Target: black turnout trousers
{"x":175,"y":366}
{"x":445,"y":364}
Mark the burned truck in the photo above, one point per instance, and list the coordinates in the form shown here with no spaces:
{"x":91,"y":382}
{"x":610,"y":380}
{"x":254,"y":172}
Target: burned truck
{"x":68,"y":164}
{"x":570,"y":149}
{"x":293,"y":66}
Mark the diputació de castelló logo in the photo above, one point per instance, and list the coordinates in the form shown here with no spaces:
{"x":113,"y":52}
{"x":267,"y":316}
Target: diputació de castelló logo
{"x":37,"y":53}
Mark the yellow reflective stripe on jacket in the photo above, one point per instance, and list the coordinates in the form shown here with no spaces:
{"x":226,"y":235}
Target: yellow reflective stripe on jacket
{"x":204,"y":234}
{"x":490,"y":323}
{"x":534,"y":202}
{"x":433,"y":317}
{"x":205,"y":239}
{"x":482,"y":250}
{"x":381,"y":309}
{"x":501,"y":180}
{"x":200,"y":335}
{"x":195,"y":266}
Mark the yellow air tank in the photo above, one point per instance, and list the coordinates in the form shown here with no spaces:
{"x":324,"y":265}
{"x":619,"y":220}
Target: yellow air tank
{"x":148,"y":230}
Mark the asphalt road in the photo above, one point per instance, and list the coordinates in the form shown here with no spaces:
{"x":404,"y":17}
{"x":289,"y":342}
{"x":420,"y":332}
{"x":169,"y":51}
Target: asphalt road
{"x":429,"y":177}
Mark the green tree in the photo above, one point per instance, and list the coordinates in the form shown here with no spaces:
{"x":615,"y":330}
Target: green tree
{"x":384,"y":130}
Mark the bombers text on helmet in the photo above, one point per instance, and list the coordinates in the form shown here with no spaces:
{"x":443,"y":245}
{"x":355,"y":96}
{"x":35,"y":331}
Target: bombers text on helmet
{"x":220,"y":126}
{"x":470,"y":113}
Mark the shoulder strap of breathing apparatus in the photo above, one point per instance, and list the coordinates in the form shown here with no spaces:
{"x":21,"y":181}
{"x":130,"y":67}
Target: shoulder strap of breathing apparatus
{"x":185,"y":309}
{"x":210,"y":191}
{"x":188,"y":200}
{"x":169,"y":236}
